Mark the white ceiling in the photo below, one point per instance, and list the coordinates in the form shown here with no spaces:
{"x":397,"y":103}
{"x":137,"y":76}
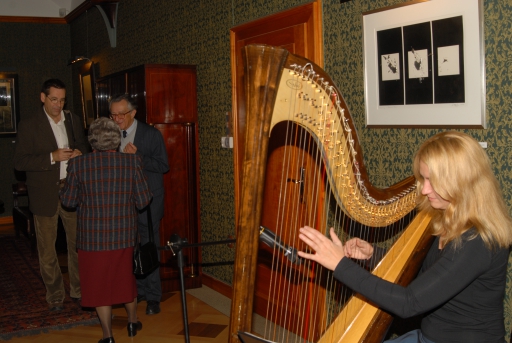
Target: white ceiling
{"x":37,"y":8}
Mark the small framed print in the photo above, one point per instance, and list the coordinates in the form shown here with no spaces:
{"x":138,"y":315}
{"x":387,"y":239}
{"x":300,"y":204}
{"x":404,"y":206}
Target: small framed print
{"x":9,"y":108}
{"x":424,"y":65}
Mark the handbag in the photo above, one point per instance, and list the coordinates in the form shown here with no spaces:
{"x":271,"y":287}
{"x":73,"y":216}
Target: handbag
{"x":145,"y":256}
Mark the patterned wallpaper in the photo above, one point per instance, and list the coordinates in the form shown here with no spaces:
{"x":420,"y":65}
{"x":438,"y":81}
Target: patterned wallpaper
{"x":197,"y":32}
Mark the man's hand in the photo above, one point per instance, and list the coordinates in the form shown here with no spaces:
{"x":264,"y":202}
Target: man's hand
{"x":62,"y":154}
{"x":327,"y":252}
{"x":130,"y":148}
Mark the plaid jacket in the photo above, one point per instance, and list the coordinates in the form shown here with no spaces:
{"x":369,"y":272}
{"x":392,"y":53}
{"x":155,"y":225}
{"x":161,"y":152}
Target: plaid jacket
{"x":107,"y":188}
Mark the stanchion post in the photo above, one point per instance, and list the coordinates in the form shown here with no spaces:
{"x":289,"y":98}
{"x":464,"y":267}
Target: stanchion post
{"x":176,"y":245}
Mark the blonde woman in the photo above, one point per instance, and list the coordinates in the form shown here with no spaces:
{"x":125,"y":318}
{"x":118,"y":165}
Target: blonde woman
{"x":461,"y":285}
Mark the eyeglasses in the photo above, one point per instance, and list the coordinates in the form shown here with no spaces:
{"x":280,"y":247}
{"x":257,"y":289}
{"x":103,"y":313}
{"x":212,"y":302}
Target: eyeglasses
{"x":56,"y":100}
{"x":119,"y":115}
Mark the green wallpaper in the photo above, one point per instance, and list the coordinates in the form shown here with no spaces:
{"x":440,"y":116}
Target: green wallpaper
{"x":343,"y":64}
{"x":388,"y":152}
{"x":197,"y":32}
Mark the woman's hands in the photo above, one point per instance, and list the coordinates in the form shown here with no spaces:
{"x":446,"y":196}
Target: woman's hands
{"x":358,"y":249}
{"x":327,"y":252}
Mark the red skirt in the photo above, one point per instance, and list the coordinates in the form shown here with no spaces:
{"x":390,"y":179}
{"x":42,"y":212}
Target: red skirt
{"x":106,"y":277}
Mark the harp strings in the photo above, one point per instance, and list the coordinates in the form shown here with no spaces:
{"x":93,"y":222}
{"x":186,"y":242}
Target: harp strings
{"x":311,"y":196}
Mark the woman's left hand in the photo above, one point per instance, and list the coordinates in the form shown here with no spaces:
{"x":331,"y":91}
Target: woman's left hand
{"x":327,"y":252}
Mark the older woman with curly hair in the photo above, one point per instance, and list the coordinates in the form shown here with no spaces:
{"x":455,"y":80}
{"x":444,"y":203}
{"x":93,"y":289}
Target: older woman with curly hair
{"x":107,"y":188}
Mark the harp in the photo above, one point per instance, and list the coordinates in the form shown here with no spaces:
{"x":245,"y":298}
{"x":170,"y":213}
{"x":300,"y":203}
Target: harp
{"x":293,"y":101}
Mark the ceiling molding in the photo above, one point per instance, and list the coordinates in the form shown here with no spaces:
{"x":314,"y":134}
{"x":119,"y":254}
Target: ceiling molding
{"x":37,"y":20}
{"x":65,"y":20}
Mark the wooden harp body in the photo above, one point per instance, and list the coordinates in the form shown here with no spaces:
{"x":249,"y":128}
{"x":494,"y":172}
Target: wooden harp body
{"x":290,"y":99}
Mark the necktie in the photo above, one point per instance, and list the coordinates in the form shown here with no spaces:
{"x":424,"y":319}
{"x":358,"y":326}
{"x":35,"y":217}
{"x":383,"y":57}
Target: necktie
{"x":124,"y":133}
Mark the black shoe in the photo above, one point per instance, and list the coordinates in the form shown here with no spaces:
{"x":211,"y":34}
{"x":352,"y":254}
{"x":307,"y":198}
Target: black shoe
{"x":107,"y":340}
{"x":140,"y":298}
{"x":56,"y":306}
{"x":133,"y":328}
{"x":153,"y":307}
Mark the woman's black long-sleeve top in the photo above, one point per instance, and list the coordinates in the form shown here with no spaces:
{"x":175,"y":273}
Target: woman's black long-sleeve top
{"x":460,"y":291}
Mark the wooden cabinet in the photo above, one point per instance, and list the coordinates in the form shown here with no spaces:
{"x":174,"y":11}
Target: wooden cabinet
{"x":167,"y":99}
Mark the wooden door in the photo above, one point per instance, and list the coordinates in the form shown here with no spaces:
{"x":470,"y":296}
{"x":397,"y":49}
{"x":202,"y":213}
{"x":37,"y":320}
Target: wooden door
{"x":102,"y":93}
{"x":299,"y":31}
{"x":136,"y":87}
{"x":171,"y":93}
{"x":107,"y":87}
{"x":170,"y":106}
{"x":181,"y":205}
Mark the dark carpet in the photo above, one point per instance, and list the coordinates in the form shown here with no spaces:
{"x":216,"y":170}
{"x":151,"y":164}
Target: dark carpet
{"x":23,"y":308}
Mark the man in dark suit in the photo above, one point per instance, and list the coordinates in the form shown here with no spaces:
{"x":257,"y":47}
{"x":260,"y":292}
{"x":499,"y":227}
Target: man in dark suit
{"x":147,"y":142}
{"x":44,"y":144}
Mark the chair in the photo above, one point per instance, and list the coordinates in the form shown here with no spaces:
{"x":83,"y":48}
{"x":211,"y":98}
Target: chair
{"x":21,"y":216}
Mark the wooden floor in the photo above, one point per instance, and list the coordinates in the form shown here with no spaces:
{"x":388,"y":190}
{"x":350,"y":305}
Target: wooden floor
{"x":206,"y":324}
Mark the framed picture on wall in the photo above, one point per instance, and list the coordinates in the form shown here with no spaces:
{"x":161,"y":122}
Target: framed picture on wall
{"x":424,"y":65}
{"x":9,"y":109}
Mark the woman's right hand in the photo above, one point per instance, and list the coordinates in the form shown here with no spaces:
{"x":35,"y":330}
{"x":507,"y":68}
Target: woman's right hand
{"x":358,"y":249}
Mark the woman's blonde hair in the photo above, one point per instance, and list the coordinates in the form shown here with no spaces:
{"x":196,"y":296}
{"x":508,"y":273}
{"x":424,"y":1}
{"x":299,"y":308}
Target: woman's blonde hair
{"x":460,"y":172}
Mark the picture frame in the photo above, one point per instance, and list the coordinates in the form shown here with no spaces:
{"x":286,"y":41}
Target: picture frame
{"x":87,"y":91}
{"x":9,"y":104}
{"x":424,"y":65}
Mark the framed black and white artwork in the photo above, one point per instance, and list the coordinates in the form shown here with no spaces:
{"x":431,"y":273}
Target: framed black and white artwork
{"x":424,"y":65}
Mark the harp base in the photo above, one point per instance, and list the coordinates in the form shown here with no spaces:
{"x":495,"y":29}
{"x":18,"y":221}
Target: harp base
{"x":246,"y":337}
